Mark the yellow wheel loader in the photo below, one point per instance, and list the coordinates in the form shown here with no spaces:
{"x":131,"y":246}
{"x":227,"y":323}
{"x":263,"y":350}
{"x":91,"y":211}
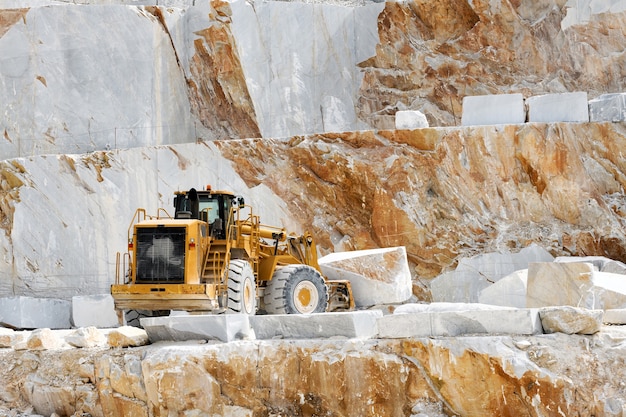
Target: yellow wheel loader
{"x":214,"y":255}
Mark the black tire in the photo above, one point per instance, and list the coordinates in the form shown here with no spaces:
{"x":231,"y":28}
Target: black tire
{"x":296,"y":289}
{"x":241,"y":288}
{"x":133,"y":317}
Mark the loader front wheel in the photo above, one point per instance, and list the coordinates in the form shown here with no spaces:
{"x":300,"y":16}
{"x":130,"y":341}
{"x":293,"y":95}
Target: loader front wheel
{"x":296,"y":289}
{"x":241,"y":288}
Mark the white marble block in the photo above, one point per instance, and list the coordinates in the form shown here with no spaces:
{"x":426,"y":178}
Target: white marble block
{"x":34,"y":313}
{"x":94,"y":310}
{"x":410,"y":119}
{"x":559,"y":284}
{"x":608,"y":108}
{"x":377,"y":276}
{"x":428,"y":321}
{"x":561,"y":107}
{"x":475,"y":274}
{"x":493,"y":109}
{"x":224,"y":327}
{"x":574,"y":284}
{"x":352,"y":325}
{"x":510,"y":291}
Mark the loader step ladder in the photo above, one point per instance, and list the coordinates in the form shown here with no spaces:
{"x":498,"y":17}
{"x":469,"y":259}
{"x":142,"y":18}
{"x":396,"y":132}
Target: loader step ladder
{"x":255,"y":243}
{"x":215,"y":262}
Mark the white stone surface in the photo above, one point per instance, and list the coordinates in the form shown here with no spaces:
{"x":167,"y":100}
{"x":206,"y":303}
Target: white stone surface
{"x":127,"y":336}
{"x":82,"y":90}
{"x":311,"y":85}
{"x":561,"y":107}
{"x":509,"y":291}
{"x":600,"y":263}
{"x":477,"y":320}
{"x":473,"y":275}
{"x":615,"y":316}
{"x":86,"y":337}
{"x":577,"y":284}
{"x":223,"y":327}
{"x":377,"y":276}
{"x":43,"y":339}
{"x":410,"y":119}
{"x":94,"y":310}
{"x":33,"y":313}
{"x":560,"y":284}
{"x":582,"y":11}
{"x":609,"y":290}
{"x":44,"y":258}
{"x":570,"y":320}
{"x":354,"y":324}
{"x":493,"y":110}
{"x":608,"y":107}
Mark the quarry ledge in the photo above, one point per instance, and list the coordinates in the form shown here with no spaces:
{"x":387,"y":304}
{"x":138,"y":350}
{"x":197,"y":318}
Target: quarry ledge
{"x":338,"y":376}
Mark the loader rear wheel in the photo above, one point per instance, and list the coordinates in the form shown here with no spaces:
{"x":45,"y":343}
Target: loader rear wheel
{"x":241,"y":288}
{"x":296,"y":289}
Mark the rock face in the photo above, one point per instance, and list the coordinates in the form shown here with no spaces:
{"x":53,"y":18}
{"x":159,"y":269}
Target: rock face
{"x":442,"y":193}
{"x":148,"y":89}
{"x":518,"y":375}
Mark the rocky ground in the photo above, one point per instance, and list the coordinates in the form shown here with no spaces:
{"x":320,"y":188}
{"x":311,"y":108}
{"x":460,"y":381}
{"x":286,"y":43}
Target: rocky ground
{"x":550,"y":374}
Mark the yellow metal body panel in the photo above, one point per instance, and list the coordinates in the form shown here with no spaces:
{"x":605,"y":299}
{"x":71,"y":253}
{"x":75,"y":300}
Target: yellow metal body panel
{"x":165,"y":296}
{"x":196,"y":232}
{"x":268,"y":265}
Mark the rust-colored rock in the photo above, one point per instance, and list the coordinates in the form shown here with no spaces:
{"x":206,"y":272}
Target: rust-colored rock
{"x":218,"y":91}
{"x":469,"y":376}
{"x":432,"y":54}
{"x":446,"y":193}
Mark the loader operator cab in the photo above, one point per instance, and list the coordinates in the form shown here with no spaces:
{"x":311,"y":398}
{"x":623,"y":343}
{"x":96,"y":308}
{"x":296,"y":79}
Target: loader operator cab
{"x":210,"y":206}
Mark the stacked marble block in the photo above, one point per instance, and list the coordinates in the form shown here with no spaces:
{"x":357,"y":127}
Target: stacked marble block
{"x":548,"y":108}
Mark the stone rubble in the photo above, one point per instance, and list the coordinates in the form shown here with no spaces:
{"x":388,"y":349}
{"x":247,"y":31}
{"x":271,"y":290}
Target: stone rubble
{"x":571,"y":320}
{"x":410,"y":119}
{"x":127,"y":336}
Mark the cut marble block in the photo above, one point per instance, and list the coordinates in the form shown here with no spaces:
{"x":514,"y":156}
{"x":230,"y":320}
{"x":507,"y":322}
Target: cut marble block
{"x":34,"y":313}
{"x":559,"y":284}
{"x":356,"y":324}
{"x":94,"y":310}
{"x":608,"y":108}
{"x":510,"y":291}
{"x":475,"y":274}
{"x":377,"y":276}
{"x":496,"y":109}
{"x":477,"y":319}
{"x":611,"y":316}
{"x":574,"y":284}
{"x":224,"y":327}
{"x":561,"y":107}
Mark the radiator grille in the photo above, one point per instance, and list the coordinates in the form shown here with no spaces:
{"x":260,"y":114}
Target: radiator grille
{"x":161,"y":255}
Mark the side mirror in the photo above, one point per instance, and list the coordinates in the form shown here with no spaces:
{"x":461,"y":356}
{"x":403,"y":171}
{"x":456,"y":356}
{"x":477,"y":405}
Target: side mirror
{"x":240,"y":201}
